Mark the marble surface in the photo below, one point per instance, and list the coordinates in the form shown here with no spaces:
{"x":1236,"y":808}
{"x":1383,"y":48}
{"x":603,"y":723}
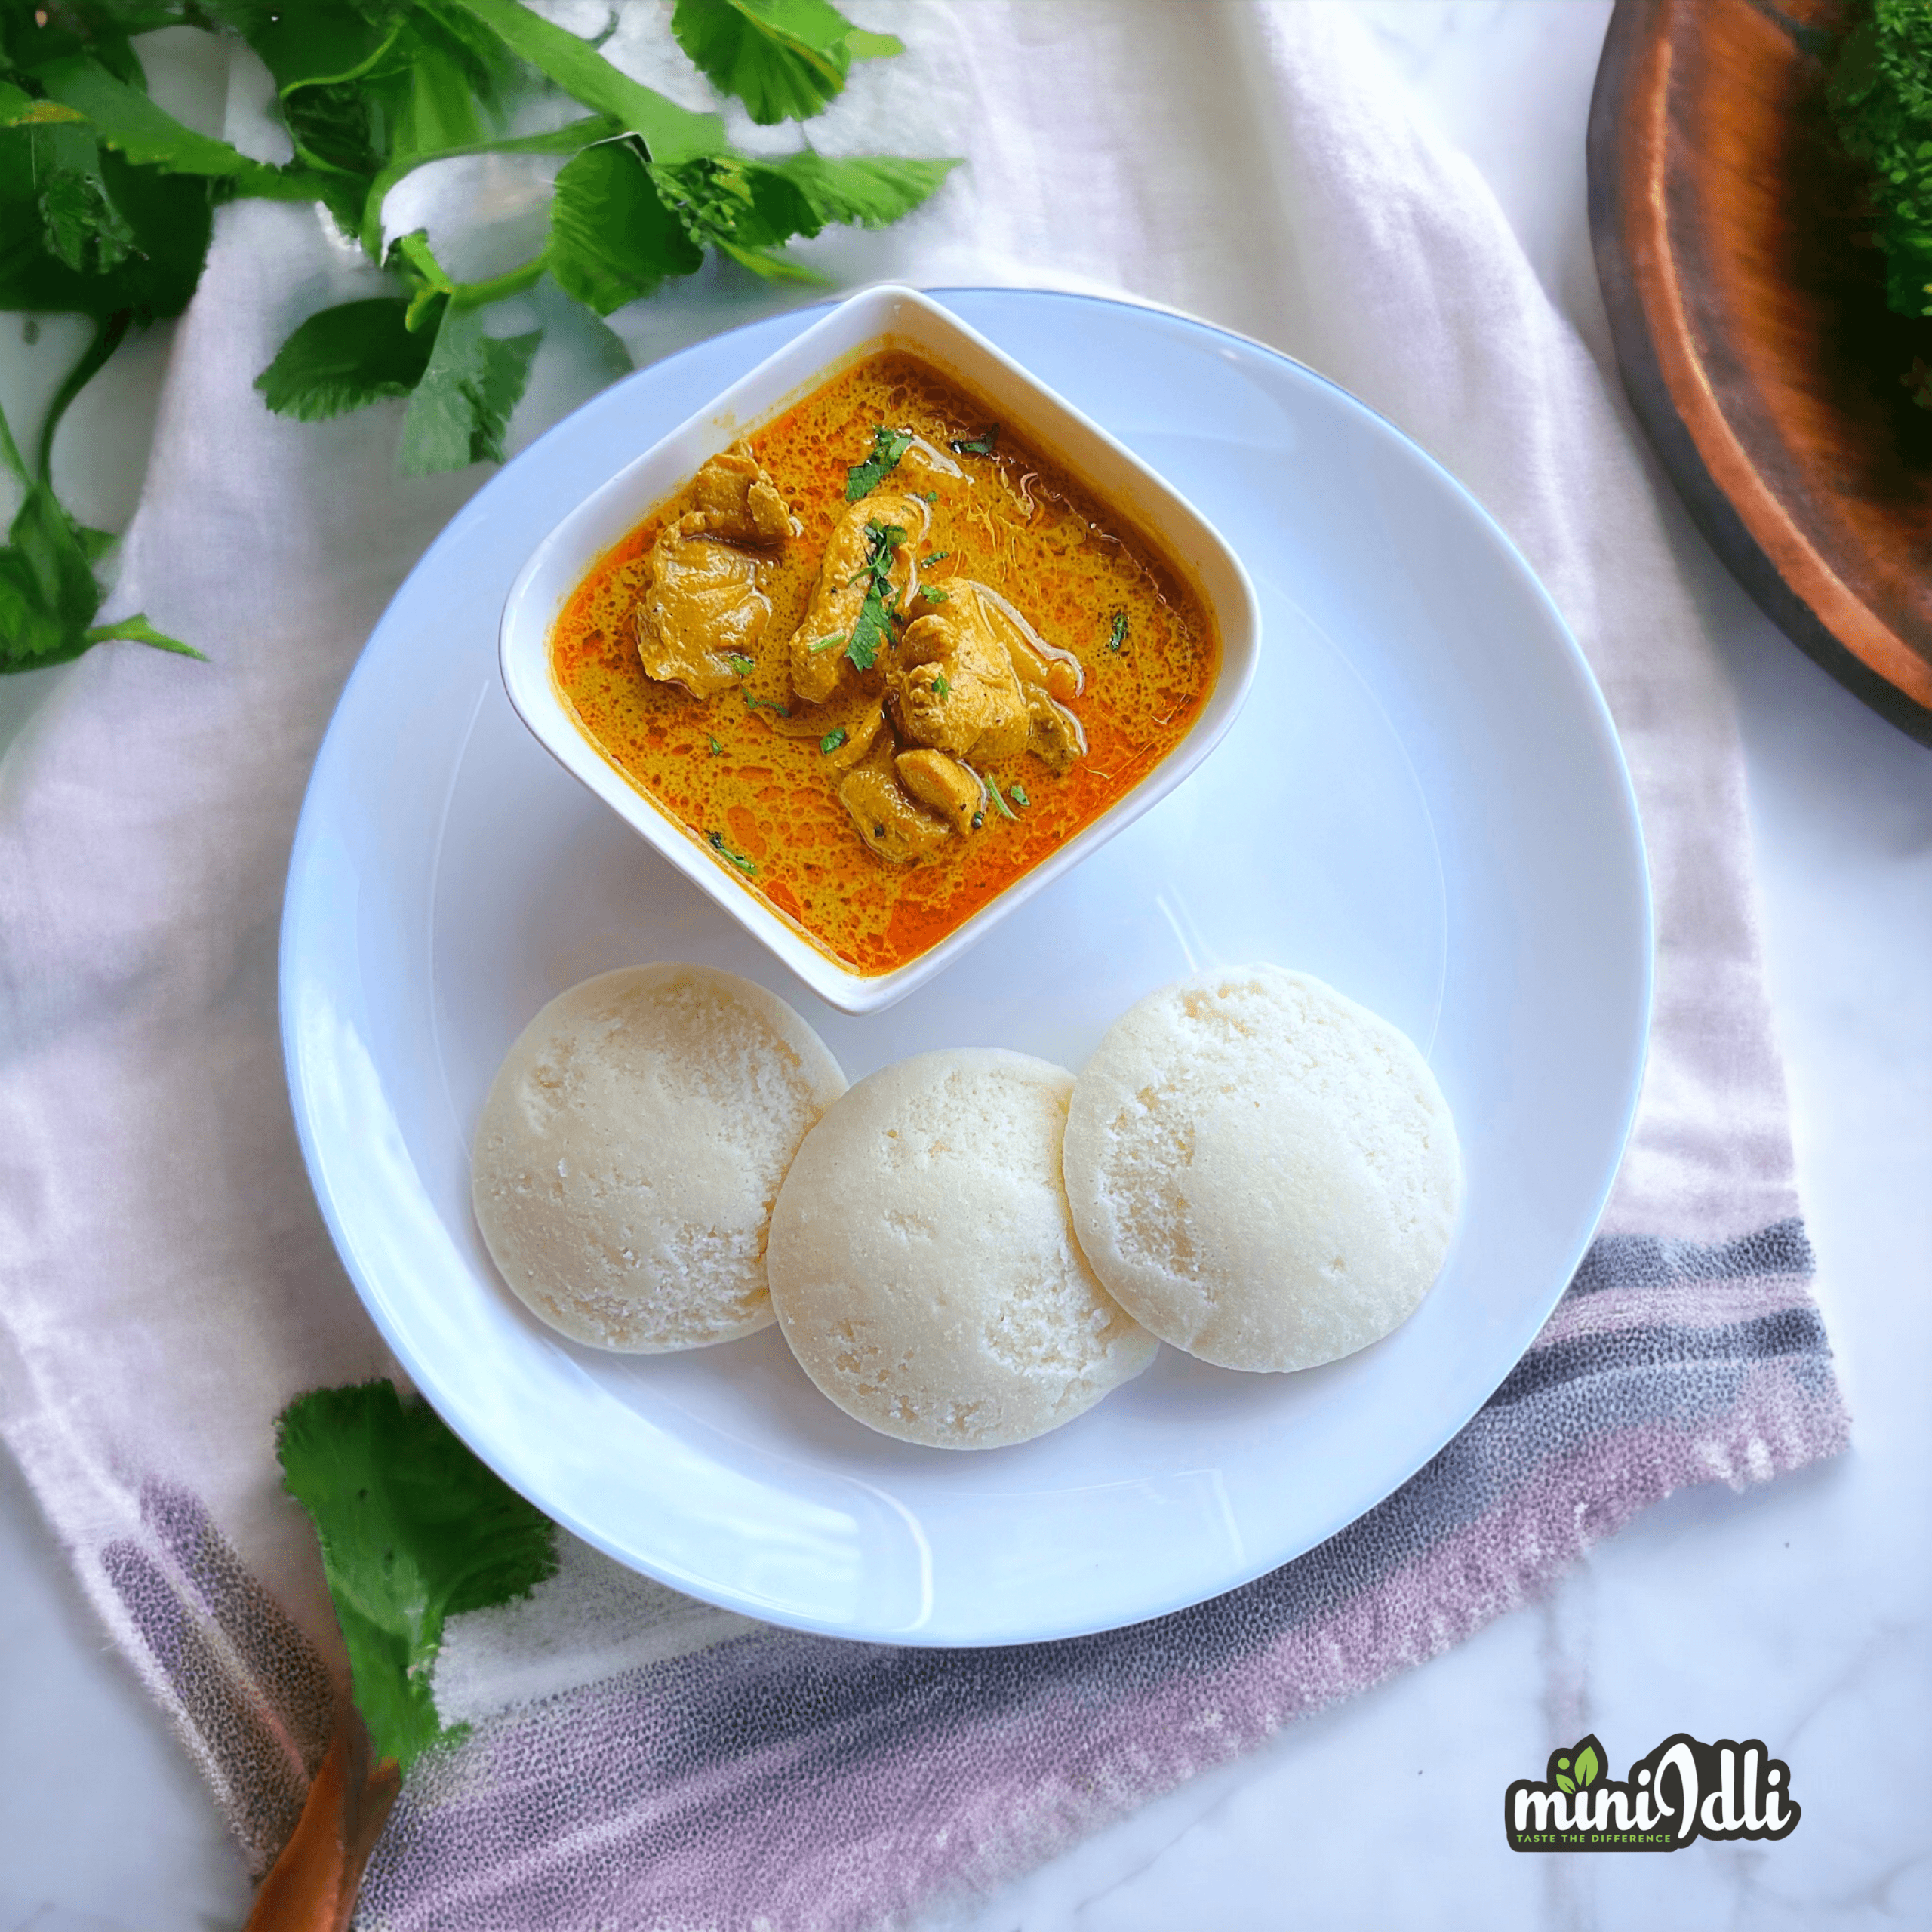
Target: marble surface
{"x":1796,"y":1613}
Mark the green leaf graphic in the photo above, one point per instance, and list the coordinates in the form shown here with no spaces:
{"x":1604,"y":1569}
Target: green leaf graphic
{"x":1589,"y":1765}
{"x":1563,"y":1783}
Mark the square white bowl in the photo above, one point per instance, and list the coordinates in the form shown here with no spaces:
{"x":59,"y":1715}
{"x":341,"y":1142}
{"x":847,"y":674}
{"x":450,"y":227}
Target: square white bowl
{"x":875,"y":319}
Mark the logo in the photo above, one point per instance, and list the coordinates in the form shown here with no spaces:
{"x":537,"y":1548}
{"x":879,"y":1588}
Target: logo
{"x":1683,"y":1790}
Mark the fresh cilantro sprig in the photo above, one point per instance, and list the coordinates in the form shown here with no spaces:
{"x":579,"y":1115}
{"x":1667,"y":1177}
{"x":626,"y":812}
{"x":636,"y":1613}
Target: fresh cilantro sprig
{"x":1117,"y":634}
{"x":106,"y":203}
{"x":413,"y":1530}
{"x":888,"y":446}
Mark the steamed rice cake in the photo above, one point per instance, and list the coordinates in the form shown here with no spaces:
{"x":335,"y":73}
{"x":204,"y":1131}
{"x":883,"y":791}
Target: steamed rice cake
{"x":1262,"y":1172}
{"x":923,"y":1263}
{"x":631,"y":1149}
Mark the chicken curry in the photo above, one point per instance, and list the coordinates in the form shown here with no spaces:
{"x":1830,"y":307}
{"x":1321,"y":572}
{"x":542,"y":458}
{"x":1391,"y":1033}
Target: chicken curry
{"x":883,"y":658}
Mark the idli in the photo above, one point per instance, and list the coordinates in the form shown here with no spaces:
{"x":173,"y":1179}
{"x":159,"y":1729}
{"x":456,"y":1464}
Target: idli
{"x":1262,"y":1173}
{"x":923,"y":1263}
{"x":632,"y":1144}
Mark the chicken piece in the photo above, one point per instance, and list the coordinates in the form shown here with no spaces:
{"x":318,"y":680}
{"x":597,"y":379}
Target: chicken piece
{"x":702,"y":604}
{"x":858,"y":716}
{"x":952,"y":684}
{"x":956,"y":793}
{"x":816,"y":675}
{"x":888,"y":821}
{"x":738,"y":501}
{"x":1056,"y":736}
{"x":702,"y":607}
{"x":1037,"y":662}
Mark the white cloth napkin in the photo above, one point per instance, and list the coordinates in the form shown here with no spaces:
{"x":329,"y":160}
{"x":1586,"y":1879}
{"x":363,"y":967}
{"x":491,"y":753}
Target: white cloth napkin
{"x":166,"y":1285}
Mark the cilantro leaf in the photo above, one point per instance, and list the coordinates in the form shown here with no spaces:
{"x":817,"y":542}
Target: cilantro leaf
{"x":739,"y":207}
{"x":941,"y":688}
{"x":888,"y":446}
{"x":746,"y":209}
{"x":413,"y":1530}
{"x":167,"y":219}
{"x":870,"y":628}
{"x":125,"y":120}
{"x":1117,"y":637}
{"x":1018,"y":795}
{"x":934,"y":593}
{"x":461,"y":407}
{"x":868,"y":631}
{"x":742,"y":665}
{"x":762,"y":703}
{"x":671,"y":133}
{"x":869,"y":190}
{"x":48,"y":595}
{"x":981,"y":445}
{"x":992,"y":786}
{"x":80,"y":226}
{"x":345,"y":358}
{"x":785,"y":60}
{"x":19,"y":109}
{"x":612,"y":239}
{"x":832,"y":740}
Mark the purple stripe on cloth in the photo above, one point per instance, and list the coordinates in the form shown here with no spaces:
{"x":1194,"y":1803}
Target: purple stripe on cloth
{"x":268,"y":1643}
{"x":796,"y":1784}
{"x":238,"y":1727}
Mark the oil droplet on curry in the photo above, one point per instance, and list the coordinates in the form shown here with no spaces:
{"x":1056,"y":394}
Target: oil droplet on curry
{"x":882,"y":660}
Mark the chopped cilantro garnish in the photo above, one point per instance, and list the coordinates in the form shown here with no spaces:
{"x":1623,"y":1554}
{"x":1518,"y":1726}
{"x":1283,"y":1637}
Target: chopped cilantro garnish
{"x":930,"y":496}
{"x":1018,"y":795}
{"x":939,"y":556}
{"x":937,"y":596}
{"x":888,"y":446}
{"x":1118,"y":636}
{"x":981,"y":445}
{"x":743,"y":665}
{"x":725,"y":852}
{"x":868,"y":633}
{"x":941,"y":688}
{"x":869,"y":629}
{"x":717,"y":749}
{"x":826,"y":643}
{"x":832,"y":740}
{"x":992,"y":785}
{"x":764,"y":703}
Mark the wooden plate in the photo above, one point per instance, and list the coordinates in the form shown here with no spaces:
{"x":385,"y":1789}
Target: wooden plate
{"x":1747,"y":304}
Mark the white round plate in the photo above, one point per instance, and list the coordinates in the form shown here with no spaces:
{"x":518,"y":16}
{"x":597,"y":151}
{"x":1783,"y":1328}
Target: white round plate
{"x":1423,"y":803}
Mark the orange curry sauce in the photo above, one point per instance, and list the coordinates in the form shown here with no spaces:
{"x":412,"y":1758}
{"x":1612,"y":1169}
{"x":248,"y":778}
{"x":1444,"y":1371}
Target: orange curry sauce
{"x":1013,"y":521}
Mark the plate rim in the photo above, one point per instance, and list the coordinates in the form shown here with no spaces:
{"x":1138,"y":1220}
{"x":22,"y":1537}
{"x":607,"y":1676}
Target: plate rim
{"x":1595,"y":710}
